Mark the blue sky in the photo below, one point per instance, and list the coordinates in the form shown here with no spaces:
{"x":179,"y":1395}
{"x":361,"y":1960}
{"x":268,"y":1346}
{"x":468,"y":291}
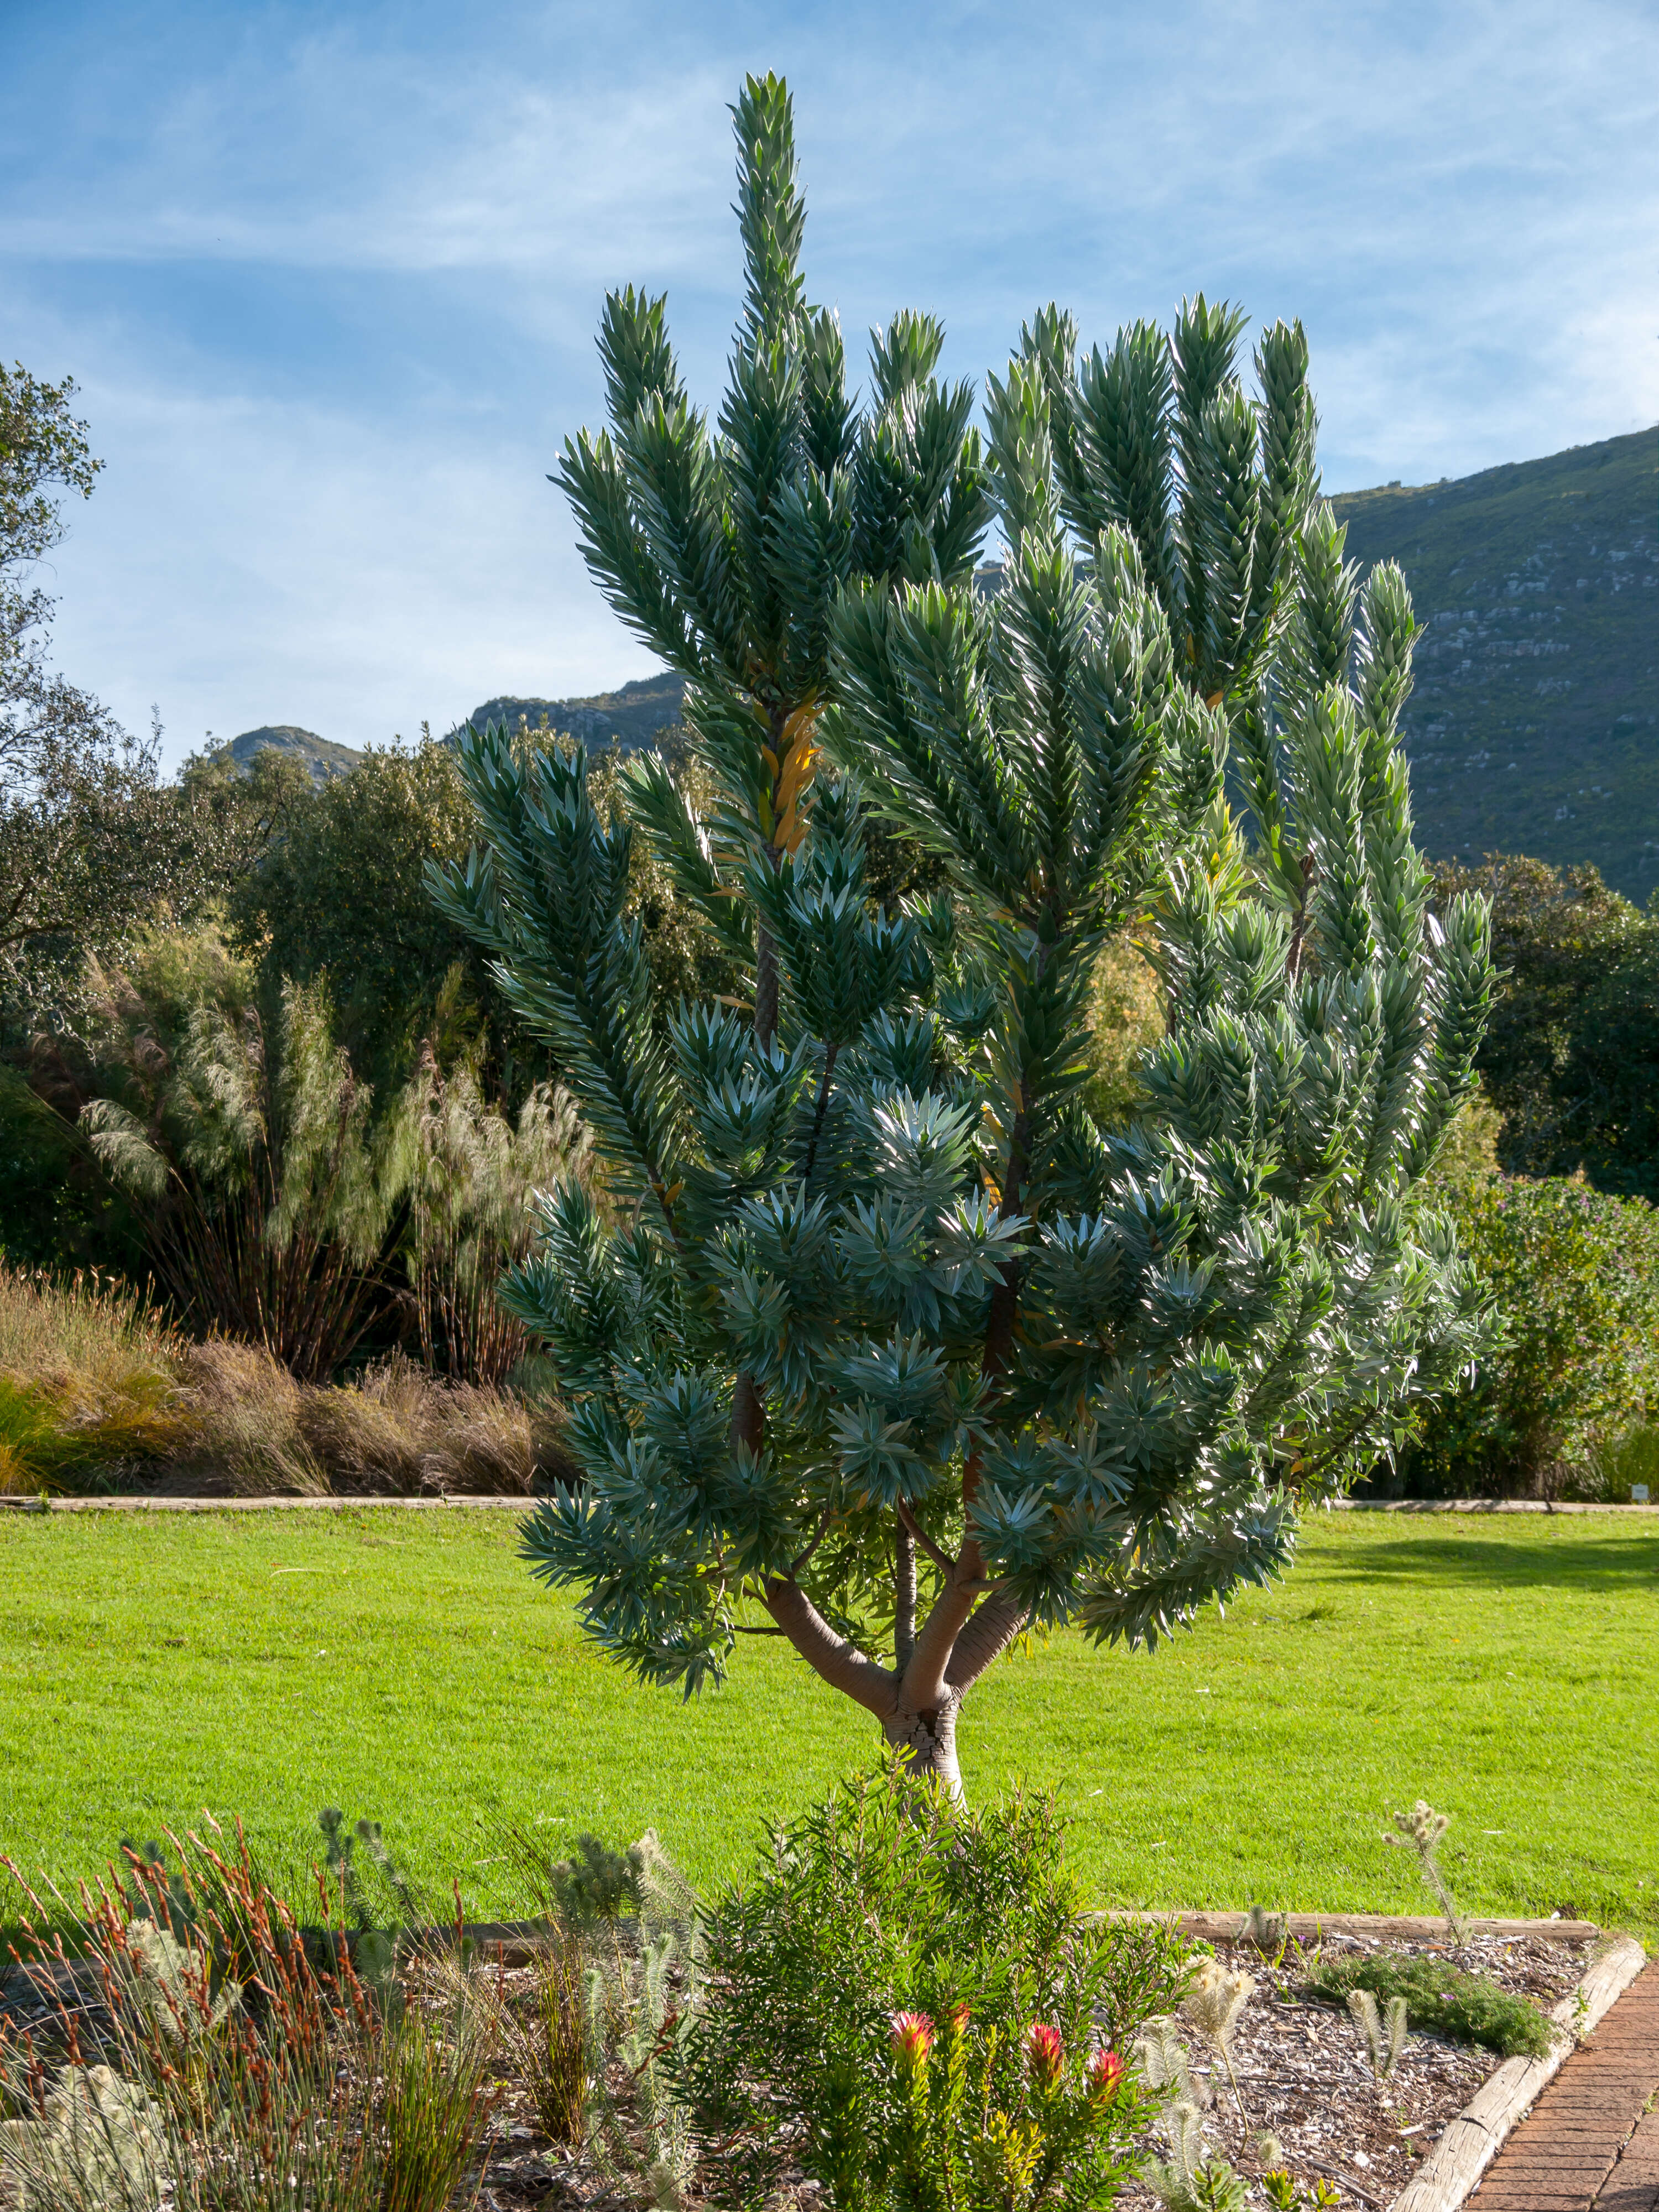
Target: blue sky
{"x":329,"y":276}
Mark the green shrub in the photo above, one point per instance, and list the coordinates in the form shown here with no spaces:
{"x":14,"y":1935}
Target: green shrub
{"x":57,"y":1206}
{"x":1446,"y":1999}
{"x":1575,"y":1276}
{"x":903,"y":2002}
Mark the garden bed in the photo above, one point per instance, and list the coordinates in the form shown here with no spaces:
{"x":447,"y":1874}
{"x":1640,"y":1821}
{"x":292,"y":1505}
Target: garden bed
{"x":1305,"y":2076}
{"x":1301,"y":2066}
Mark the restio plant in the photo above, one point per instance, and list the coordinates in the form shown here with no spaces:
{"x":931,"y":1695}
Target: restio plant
{"x":884,"y":1344}
{"x":903,"y":2003}
{"x":266,"y":1213}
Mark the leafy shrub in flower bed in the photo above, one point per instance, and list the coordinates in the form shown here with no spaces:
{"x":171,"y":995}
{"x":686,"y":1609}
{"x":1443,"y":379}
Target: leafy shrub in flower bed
{"x":907,"y":2004}
{"x":1447,"y":1999}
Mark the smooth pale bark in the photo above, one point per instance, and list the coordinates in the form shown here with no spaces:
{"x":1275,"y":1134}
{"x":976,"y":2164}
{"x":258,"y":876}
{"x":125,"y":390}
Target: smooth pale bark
{"x":917,"y":1706}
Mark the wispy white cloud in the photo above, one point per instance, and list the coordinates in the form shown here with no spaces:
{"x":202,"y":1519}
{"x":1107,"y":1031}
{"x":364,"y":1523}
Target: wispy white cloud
{"x":330,"y":278}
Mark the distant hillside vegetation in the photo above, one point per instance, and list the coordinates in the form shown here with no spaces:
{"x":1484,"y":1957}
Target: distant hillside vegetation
{"x":320,"y":754}
{"x":632,"y":715}
{"x":1534,"y":724}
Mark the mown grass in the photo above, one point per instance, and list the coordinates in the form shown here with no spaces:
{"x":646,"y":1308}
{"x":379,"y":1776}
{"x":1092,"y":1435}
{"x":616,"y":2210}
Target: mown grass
{"x":406,"y":1667}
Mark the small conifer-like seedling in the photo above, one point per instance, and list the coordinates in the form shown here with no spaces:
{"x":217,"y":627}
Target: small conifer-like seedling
{"x":1420,"y":1830}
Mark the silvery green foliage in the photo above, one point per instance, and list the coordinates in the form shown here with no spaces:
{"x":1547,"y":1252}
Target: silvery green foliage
{"x":1188,"y":2180}
{"x":97,"y":2146}
{"x":1385,"y":2036}
{"x":872,"y":1292}
{"x":639,"y":2007}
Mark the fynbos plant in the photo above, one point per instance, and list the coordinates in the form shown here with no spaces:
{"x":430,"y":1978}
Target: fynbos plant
{"x":1420,"y":1830}
{"x":1385,"y":2037}
{"x":1213,"y":2004}
{"x":1190,"y":2180}
{"x":885,"y":1346}
{"x":1265,"y":1930}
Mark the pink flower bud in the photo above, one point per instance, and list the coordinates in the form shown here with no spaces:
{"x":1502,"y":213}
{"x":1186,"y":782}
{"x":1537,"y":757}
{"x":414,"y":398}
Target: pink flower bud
{"x":912,"y":2038}
{"x":1105,"y":2074}
{"x":957,"y":2022}
{"x":1045,"y":2052}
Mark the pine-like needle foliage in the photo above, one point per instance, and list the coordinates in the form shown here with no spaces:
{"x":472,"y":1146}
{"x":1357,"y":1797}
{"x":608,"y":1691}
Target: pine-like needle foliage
{"x":888,"y":1348}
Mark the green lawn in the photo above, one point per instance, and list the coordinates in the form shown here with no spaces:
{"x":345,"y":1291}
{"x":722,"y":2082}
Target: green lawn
{"x":405,"y":1666}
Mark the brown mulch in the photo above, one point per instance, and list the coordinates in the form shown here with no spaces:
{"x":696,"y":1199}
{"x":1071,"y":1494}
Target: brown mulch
{"x":1305,"y":2076}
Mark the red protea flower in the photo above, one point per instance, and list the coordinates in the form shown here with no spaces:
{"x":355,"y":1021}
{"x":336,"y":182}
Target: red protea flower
{"x":912,"y":2038}
{"x":1105,"y":2074}
{"x":1045,"y":2052}
{"x":958,"y":2023}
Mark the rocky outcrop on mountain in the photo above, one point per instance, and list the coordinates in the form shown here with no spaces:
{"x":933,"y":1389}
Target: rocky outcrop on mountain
{"x":320,"y":754}
{"x":632,"y":716}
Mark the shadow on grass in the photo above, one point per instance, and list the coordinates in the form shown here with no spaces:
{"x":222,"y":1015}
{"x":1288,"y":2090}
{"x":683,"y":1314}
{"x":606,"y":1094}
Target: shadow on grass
{"x":1632,"y":1564}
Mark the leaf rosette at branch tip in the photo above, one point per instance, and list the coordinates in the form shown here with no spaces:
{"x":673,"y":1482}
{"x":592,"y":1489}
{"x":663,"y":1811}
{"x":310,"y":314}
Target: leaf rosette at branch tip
{"x":880,"y":1340}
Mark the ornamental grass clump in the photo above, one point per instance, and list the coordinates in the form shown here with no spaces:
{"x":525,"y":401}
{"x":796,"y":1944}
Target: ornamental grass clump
{"x":242,"y":2065}
{"x":885,"y":1344}
{"x":86,"y":1382}
{"x":902,"y":2003}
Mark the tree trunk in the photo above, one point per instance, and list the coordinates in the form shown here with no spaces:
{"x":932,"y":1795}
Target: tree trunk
{"x":918,"y":1709}
{"x":931,"y":1740}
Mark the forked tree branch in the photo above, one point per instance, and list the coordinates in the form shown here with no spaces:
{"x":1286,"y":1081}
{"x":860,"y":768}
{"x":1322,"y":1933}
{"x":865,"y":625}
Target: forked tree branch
{"x":840,"y":1663}
{"x":942,"y":1560}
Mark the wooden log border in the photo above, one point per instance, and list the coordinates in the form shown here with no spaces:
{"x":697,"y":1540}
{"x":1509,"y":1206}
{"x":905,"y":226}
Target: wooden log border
{"x":1211,"y":1927}
{"x":334,"y":1502}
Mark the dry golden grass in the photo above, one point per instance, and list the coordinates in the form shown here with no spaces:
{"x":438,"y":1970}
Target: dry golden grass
{"x":86,"y":1382}
{"x":97,"y":1393}
{"x":401,"y":1429}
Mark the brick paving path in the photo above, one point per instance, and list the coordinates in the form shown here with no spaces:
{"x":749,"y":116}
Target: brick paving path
{"x":1591,"y":2141}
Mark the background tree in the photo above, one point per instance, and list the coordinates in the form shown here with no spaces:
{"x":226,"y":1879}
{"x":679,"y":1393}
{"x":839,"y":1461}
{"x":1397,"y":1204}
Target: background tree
{"x":889,"y":1348}
{"x":1574,"y":1273}
{"x":1570,"y":1058}
{"x":325,"y":887}
{"x":89,"y":838}
{"x":335,"y":898}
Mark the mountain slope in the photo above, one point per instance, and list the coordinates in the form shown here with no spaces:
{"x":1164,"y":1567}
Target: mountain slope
{"x":1534,"y":724}
{"x":632,"y":714}
{"x":320,"y":754}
